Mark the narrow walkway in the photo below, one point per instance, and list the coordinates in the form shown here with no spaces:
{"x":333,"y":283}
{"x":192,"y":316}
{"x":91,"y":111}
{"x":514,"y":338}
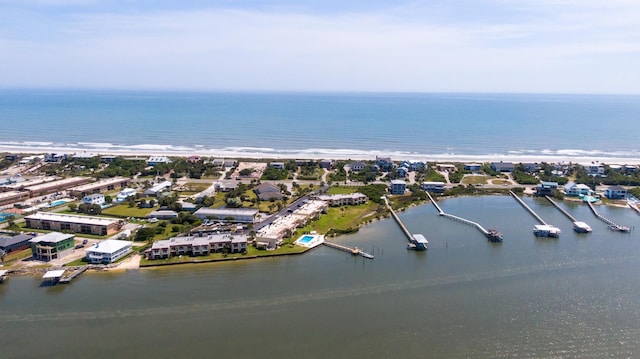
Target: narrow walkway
{"x":72,"y":273}
{"x":578,"y":226}
{"x":416,"y":241}
{"x":534,"y":214}
{"x":355,"y":251}
{"x":611,"y":225}
{"x":491,"y":234}
{"x":562,"y":210}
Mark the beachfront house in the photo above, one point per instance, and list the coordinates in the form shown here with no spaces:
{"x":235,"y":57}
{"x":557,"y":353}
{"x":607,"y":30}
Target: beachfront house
{"x":502,"y":166}
{"x":108,"y":251}
{"x":473,"y":167}
{"x":357,"y":166}
{"x":615,"y":192}
{"x":398,"y":186}
{"x":594,"y":169}
{"x":156,"y":160}
{"x":385,"y":163}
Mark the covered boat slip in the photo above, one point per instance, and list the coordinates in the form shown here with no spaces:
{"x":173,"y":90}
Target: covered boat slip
{"x":52,"y":277}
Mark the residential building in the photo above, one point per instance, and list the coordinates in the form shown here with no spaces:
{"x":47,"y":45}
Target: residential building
{"x":12,"y":197}
{"x":595,"y":169}
{"x":237,"y":215}
{"x":158,"y":188}
{"x":446,"y":167}
{"x":357,"y":166}
{"x":350,"y":199}
{"x":125,"y":194}
{"x":615,"y":192}
{"x":546,"y":188}
{"x":163,"y":214}
{"x":108,"y":251}
{"x":51,"y":246}
{"x":435,"y":187}
{"x":473,"y":167}
{"x":277,"y":165}
{"x":109,"y":184}
{"x":72,"y":223}
{"x":502,"y":166}
{"x":156,"y":160}
{"x":267,"y":192}
{"x":326,"y":164}
{"x":198,"y":245}
{"x":12,"y":243}
{"x":193,"y":159}
{"x":398,"y":187}
{"x":402,"y":171}
{"x":531,"y":167}
{"x":55,"y":186}
{"x":96,"y":198}
{"x":385,"y":163}
{"x":574,"y":189}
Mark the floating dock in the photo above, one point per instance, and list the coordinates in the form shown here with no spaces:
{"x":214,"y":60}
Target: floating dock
{"x":578,"y":226}
{"x":3,"y":275}
{"x":491,"y":234}
{"x":416,"y":241}
{"x":354,"y":251}
{"x":611,"y":225}
{"x":543,"y":229}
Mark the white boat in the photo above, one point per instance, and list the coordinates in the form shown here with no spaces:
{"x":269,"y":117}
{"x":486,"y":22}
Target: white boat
{"x":546,"y":230}
{"x":581,"y":227}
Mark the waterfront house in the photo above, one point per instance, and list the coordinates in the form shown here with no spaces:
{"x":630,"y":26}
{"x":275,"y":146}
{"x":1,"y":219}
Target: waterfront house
{"x":51,"y":246}
{"x":546,"y":188}
{"x":108,"y":251}
{"x":576,"y":189}
{"x":385,"y":163}
{"x":96,"y":198}
{"x":436,"y":187}
{"x":615,"y":192}
{"x":326,"y":164}
{"x":531,"y":167}
{"x":197,"y":245}
{"x":398,"y":187}
{"x":12,"y":243}
{"x":594,"y":169}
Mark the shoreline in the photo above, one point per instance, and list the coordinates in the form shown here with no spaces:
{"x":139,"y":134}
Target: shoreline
{"x":578,"y":156}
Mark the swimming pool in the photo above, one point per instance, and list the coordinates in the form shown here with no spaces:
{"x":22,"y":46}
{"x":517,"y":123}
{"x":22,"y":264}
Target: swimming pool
{"x":58,"y":203}
{"x":3,"y":216}
{"x":305,"y":239}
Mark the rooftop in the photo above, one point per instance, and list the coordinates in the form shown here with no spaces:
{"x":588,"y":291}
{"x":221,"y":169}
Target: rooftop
{"x":53,"y":237}
{"x":59,"y":217}
{"x":109,"y":246}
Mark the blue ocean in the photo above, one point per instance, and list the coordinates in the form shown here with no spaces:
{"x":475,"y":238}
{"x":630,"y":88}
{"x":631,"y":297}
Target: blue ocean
{"x":358,"y":125}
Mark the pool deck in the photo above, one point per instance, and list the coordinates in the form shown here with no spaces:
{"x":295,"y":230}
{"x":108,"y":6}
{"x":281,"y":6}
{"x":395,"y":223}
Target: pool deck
{"x":316,"y":240}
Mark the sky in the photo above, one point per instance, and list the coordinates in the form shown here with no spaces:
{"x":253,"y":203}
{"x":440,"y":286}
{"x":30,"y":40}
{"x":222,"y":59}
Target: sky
{"x":524,"y":46}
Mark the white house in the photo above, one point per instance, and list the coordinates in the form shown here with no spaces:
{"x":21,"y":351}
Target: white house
{"x":124,"y":194}
{"x":108,"y":251}
{"x":158,"y":188}
{"x":96,"y":198}
{"x":574,"y":189}
{"x":156,"y":160}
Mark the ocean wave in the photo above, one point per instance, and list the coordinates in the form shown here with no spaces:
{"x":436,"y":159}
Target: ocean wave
{"x":513,"y":155}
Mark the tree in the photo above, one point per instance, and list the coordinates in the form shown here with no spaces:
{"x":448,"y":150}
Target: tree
{"x":145,"y":234}
{"x":73,"y":207}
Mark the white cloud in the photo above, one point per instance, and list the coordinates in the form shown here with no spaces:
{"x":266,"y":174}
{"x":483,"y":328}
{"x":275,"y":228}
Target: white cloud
{"x":238,"y":49}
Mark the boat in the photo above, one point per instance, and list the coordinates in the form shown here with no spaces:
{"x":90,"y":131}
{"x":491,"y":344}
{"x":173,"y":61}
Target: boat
{"x":494,"y":236}
{"x":581,"y":227}
{"x":546,"y":230}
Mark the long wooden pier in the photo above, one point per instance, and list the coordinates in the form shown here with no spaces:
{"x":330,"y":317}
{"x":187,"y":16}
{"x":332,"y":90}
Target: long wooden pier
{"x":610,"y":224}
{"x":419,"y":243}
{"x":354,"y":251}
{"x":492,"y":234}
{"x":578,"y":226}
{"x":524,"y":205}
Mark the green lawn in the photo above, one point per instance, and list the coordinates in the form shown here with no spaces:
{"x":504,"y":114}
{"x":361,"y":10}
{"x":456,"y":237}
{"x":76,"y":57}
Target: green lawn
{"x":474,"y":180}
{"x":123,"y":210}
{"x":252,"y":252}
{"x":342,"y":218}
{"x":13,"y":257}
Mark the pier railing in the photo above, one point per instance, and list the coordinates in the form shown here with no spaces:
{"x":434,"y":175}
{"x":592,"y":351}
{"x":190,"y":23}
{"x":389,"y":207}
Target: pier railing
{"x":524,"y":205}
{"x":611,"y":225}
{"x":456,"y":218}
{"x":562,"y":210}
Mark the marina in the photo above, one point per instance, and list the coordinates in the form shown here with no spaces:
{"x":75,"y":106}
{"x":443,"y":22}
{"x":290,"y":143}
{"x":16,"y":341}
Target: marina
{"x":539,"y":230}
{"x":492,"y":234}
{"x":578,"y":226}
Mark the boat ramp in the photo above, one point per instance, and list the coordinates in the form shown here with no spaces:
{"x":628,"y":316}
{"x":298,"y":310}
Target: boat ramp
{"x":578,"y":226}
{"x":611,"y":225}
{"x":540,"y":230}
{"x":416,"y":241}
{"x":491,"y":234}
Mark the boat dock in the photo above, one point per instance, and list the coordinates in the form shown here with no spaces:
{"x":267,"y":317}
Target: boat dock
{"x":612,"y":226}
{"x":491,"y":234}
{"x":72,"y":273}
{"x":3,"y":275}
{"x":543,"y":229}
{"x":354,"y":251}
{"x":578,"y":226}
{"x":416,"y":241}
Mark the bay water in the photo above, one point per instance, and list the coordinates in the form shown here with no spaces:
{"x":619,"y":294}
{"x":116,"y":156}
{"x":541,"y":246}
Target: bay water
{"x":577,"y":296}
